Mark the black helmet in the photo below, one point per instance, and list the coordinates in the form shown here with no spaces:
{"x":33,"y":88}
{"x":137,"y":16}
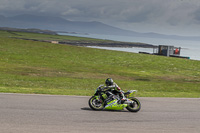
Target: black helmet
{"x":109,"y":82}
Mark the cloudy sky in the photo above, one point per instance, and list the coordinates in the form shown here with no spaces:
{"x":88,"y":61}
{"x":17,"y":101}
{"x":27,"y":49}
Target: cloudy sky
{"x":180,"y":17}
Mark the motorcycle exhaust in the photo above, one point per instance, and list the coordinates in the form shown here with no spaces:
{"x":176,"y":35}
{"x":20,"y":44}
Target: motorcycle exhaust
{"x":130,"y":103}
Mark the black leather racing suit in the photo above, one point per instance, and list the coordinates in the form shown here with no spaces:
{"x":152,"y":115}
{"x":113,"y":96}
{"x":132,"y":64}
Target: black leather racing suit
{"x":115,"y":89}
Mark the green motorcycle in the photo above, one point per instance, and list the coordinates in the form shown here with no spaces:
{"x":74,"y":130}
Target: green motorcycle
{"x":110,"y":101}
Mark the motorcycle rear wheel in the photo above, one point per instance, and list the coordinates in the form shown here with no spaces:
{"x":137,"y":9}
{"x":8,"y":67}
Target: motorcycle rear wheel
{"x":135,"y":107}
{"x":95,"y":104}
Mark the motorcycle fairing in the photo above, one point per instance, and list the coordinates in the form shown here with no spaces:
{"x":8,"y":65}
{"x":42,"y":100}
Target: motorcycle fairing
{"x":113,"y":105}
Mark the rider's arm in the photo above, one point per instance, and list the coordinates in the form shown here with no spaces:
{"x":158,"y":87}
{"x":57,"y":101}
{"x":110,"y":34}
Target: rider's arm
{"x":117,"y":88}
{"x":112,"y":87}
{"x":107,"y":88}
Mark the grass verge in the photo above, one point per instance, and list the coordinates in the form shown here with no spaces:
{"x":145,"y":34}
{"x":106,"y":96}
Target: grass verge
{"x":44,"y":68}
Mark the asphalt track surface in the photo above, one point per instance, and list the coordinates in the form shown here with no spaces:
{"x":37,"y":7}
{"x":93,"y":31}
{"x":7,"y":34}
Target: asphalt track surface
{"x":21,"y":113}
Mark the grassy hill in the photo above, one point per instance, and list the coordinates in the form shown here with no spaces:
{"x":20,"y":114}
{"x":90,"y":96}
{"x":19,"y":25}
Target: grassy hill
{"x":43,"y":68}
{"x":31,"y":34}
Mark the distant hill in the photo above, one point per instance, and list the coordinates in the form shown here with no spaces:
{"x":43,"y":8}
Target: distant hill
{"x":28,"y":30}
{"x":59,"y":24}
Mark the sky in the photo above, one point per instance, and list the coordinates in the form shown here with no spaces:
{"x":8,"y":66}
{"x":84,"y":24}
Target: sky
{"x":171,"y":17}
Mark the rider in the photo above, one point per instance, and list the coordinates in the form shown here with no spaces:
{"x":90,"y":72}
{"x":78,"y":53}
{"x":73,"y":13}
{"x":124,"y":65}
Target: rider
{"x":113,"y":87}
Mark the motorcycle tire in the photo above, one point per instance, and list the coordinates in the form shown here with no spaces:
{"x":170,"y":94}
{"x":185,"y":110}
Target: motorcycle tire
{"x":135,"y":107}
{"x":95,"y":104}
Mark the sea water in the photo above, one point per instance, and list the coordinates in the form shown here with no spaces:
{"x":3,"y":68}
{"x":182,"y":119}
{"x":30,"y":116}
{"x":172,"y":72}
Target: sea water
{"x":189,"y":48}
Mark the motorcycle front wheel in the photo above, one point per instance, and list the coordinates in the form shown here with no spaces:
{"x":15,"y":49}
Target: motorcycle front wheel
{"x":135,"y":106}
{"x":95,"y":104}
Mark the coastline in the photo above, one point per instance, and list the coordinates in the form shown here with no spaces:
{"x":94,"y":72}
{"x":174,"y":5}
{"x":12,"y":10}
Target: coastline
{"x":108,"y":44}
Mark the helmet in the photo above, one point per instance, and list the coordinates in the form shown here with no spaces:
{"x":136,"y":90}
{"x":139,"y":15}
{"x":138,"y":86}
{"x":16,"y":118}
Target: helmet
{"x":109,"y":82}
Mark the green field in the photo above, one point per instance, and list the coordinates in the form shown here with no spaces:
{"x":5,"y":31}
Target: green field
{"x":43,"y":68}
